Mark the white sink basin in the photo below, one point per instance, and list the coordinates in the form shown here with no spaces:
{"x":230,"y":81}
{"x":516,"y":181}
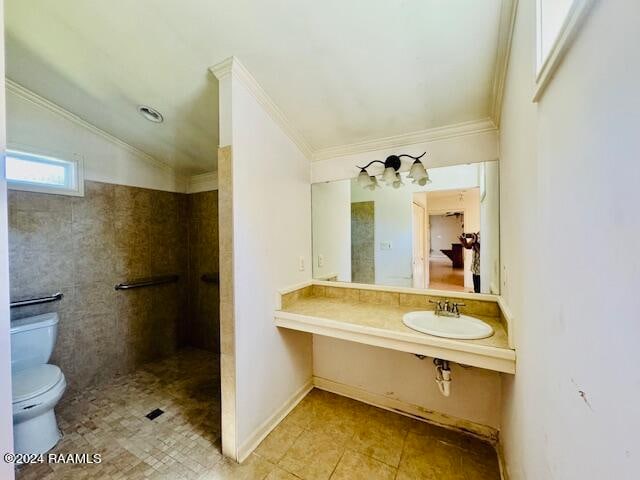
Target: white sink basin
{"x":462,"y":327}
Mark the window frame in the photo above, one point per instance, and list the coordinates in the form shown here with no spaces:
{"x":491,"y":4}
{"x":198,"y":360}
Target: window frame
{"x":74,"y":172}
{"x":545,"y":67}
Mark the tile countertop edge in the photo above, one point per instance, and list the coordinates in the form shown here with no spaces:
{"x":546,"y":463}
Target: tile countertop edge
{"x":484,"y":297}
{"x":482,"y":356}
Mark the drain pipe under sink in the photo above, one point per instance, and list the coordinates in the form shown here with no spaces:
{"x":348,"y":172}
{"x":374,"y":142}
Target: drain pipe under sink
{"x":443,"y":376}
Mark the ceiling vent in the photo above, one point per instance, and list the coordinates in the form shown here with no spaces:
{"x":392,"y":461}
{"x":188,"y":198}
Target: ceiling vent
{"x":150,"y":114}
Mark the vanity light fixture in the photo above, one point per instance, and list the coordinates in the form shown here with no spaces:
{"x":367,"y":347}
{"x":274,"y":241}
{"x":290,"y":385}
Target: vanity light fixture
{"x":391,"y":172}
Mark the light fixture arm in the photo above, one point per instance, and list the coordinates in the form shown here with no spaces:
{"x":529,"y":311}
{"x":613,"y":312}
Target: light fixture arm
{"x":371,"y":163}
{"x":411,"y":156}
{"x":392,"y":161}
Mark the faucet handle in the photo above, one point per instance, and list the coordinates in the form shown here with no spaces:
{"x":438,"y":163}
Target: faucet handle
{"x":455,"y":308}
{"x":441,"y":306}
{"x":438,"y":304}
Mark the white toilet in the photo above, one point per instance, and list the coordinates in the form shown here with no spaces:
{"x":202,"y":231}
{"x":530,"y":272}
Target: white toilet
{"x":37,"y":386}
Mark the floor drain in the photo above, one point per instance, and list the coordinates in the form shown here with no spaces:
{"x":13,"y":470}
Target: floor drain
{"x":153,"y":414}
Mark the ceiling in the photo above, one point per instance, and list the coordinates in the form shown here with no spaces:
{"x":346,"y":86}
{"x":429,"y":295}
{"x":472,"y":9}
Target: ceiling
{"x":341,"y":71}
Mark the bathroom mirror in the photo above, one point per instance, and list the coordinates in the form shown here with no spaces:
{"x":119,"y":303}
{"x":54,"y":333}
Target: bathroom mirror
{"x":430,"y":236}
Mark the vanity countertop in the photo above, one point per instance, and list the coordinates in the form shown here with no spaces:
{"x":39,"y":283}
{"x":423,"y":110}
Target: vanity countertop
{"x":381,"y":325}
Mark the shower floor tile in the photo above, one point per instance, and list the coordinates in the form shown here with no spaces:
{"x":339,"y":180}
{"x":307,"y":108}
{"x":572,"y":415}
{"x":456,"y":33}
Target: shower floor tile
{"x":181,"y":443}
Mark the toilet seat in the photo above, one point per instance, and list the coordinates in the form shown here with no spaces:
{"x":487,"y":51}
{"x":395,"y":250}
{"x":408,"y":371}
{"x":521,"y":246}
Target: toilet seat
{"x":34,"y":381}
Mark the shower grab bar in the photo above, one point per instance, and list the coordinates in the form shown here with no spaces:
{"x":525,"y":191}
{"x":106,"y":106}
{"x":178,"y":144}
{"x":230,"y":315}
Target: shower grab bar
{"x":147,"y":282}
{"x":210,"y":278}
{"x":35,"y":301}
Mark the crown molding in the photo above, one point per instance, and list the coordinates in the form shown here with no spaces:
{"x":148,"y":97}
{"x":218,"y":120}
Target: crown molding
{"x":423,"y":136}
{"x":505,"y":35}
{"x":233,"y":66}
{"x":507,"y":20}
{"x":32,"y":97}
{"x":203,"y":182}
{"x":224,"y":68}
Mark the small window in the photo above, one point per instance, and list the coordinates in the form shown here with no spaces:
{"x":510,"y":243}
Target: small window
{"x":552,"y":14}
{"x":557,"y":23}
{"x":38,"y":173}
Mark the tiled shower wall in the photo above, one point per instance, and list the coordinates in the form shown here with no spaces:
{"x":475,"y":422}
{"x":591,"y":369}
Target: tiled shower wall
{"x":363,"y":227}
{"x":204,"y":296}
{"x":84,"y":246}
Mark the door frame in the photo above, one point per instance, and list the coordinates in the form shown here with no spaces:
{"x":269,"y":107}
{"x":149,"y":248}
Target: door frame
{"x":425,"y":246}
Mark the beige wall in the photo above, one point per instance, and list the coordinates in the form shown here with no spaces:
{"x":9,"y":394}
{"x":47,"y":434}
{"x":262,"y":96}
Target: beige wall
{"x":83,"y":247}
{"x":475,"y":393}
{"x":6,"y":428}
{"x":271,"y":221}
{"x":331,"y":223}
{"x":392,"y":214}
{"x":464,"y":149}
{"x":569,"y":172}
{"x":444,"y":231}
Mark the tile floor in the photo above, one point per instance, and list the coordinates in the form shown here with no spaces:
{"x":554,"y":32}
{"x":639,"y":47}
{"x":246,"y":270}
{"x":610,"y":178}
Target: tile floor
{"x":325,"y":436}
{"x":182,"y":443}
{"x":329,"y":436}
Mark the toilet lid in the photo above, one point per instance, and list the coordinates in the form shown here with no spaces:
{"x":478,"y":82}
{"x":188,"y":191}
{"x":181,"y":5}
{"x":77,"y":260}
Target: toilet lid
{"x":34,"y":381}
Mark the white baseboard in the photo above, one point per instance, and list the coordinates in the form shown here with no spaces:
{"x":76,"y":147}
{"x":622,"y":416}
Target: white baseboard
{"x":414,"y":411}
{"x":272,"y":422}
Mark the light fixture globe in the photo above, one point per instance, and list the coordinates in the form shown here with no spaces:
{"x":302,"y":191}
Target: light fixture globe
{"x":417,"y":170}
{"x":389,"y":175}
{"x":420,"y":175}
{"x":373,"y":185}
{"x":423,"y":181}
{"x":398,"y":181}
{"x":364,"y":180}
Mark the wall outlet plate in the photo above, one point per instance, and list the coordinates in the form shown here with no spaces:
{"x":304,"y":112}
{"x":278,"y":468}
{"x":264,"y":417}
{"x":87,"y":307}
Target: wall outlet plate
{"x":386,"y":245}
{"x":503,"y":278}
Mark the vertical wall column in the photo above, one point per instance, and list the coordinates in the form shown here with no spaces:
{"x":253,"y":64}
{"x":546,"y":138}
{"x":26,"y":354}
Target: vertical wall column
{"x":228,"y":374}
{"x":265,"y":245}
{"x":227,"y":315}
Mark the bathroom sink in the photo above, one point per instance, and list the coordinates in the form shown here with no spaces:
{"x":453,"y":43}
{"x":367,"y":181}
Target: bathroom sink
{"x":462,"y":327}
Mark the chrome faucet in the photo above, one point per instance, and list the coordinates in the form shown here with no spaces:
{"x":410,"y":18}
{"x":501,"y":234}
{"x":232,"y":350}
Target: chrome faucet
{"x":447,"y":308}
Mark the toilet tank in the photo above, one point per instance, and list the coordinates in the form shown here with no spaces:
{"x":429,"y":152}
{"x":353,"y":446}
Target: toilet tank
{"x":32,"y":340}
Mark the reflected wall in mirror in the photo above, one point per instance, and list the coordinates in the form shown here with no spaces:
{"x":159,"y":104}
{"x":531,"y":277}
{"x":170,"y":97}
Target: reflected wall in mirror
{"x":442,"y":236}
